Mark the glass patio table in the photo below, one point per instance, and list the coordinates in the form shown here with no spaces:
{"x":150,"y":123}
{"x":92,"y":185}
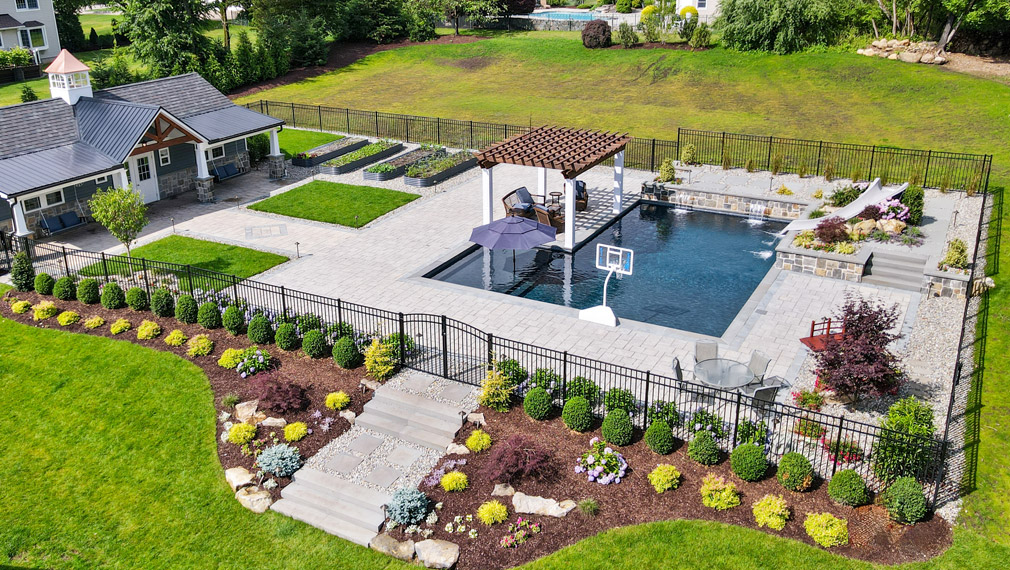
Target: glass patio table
{"x":723,"y":373}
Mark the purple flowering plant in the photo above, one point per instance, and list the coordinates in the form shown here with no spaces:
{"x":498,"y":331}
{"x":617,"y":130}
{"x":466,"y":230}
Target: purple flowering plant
{"x":601,"y":463}
{"x":893,"y":210}
{"x":253,"y":362}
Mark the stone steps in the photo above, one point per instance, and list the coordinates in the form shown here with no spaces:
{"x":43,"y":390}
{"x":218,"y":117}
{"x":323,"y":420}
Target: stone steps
{"x":400,"y":429}
{"x":418,"y":414}
{"x":310,"y":515}
{"x":895,"y":270}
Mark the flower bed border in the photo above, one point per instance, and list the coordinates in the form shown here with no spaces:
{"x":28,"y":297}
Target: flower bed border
{"x":363,"y":161}
{"x":439,"y":177}
{"x":315,"y":160}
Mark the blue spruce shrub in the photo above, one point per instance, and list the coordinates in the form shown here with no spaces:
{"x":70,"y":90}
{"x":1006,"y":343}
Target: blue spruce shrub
{"x":408,"y":506}
{"x":280,"y":460}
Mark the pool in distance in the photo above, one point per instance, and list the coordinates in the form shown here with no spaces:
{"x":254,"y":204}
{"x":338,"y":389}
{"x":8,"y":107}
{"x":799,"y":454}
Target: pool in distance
{"x":694,"y":270}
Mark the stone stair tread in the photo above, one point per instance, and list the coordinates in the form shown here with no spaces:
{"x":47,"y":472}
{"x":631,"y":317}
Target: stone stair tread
{"x":313,"y":516}
{"x":354,"y":493}
{"x":890,"y":282}
{"x":400,"y":429}
{"x":896,"y":273}
{"x":411,"y":416}
{"x":335,"y":504}
{"x":900,"y":257}
{"x":421,"y":403}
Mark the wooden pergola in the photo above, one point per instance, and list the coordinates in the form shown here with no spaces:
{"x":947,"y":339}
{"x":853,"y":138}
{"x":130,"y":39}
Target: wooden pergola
{"x":572,"y":151}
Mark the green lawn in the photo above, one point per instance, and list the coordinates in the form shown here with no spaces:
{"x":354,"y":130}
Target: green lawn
{"x":102,"y":23}
{"x":10,"y":94}
{"x":223,"y":258}
{"x":343,"y":204}
{"x":294,"y":141}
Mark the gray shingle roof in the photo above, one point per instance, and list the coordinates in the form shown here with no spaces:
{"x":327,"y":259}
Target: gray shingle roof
{"x":33,"y":24}
{"x":7,"y":22}
{"x":181,"y":95}
{"x":34,"y":126}
{"x":230,"y":122}
{"x":52,"y":167}
{"x":113,"y":127}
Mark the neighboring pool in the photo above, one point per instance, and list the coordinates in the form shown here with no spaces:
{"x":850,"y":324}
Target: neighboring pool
{"x":557,"y":15}
{"x":693,"y":271}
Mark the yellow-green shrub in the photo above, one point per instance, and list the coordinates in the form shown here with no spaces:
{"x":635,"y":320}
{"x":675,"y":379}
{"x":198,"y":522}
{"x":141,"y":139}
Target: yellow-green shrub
{"x":379,"y":362}
{"x":337,"y":400}
{"x":716,"y":493}
{"x":296,"y":431}
{"x":148,"y":330}
{"x":176,"y":338}
{"x":120,"y":326}
{"x":241,"y":434}
{"x":478,"y":441}
{"x":819,"y":194}
{"x":21,"y":307}
{"x":67,"y":318}
{"x":496,"y":390}
{"x":94,"y":322}
{"x":771,"y":511}
{"x":664,"y":478}
{"x":827,"y":529}
{"x":199,"y":345}
{"x":492,"y":512}
{"x":230,"y":358}
{"x":44,"y":310}
{"x":454,"y":481}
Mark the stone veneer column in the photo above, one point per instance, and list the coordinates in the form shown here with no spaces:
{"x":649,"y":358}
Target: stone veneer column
{"x":205,"y":189}
{"x":275,"y":166}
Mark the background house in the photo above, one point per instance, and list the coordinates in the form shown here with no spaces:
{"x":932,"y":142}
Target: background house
{"x":30,"y":24}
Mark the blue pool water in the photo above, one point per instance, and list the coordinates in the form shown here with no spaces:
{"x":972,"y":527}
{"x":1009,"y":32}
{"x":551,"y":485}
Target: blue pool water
{"x":555,"y":15}
{"x":693,"y":271}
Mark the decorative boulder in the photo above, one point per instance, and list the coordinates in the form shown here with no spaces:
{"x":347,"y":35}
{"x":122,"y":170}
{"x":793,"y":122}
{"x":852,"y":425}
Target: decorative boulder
{"x":503,"y":490}
{"x":530,"y":504}
{"x":927,"y":57}
{"x":254,"y":499}
{"x":476,"y":418}
{"x":908,"y":57}
{"x":456,"y":449}
{"x":238,"y":477}
{"x":246,"y":410}
{"x":865,"y":227}
{"x":347,"y":415}
{"x":274,"y":422}
{"x":391,"y":547}
{"x":893,"y":226}
{"x":437,"y":553}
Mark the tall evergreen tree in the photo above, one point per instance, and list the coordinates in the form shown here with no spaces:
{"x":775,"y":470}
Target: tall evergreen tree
{"x":69,"y":25}
{"x":165,"y":34}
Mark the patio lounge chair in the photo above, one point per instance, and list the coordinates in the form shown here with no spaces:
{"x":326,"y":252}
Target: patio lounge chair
{"x":545,"y":216}
{"x":519,"y":202}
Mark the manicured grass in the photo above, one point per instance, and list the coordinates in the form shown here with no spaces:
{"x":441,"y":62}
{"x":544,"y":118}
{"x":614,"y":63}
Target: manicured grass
{"x":829,"y":96}
{"x":343,"y":204}
{"x":223,"y":258}
{"x":102,"y":23}
{"x":10,"y":94}
{"x":294,"y":141}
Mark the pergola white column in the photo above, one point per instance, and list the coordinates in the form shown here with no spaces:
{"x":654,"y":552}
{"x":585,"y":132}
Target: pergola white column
{"x":542,"y":183}
{"x":569,"y":213}
{"x":121,"y":179}
{"x":18,"y":212}
{"x":201,"y":162}
{"x":275,"y":143}
{"x":487,"y":194}
{"x":618,"y":181}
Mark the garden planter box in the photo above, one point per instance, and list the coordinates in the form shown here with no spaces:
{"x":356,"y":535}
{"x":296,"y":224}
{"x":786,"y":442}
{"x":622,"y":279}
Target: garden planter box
{"x":331,"y":150}
{"x":399,"y":170}
{"x":364,"y":161}
{"x":12,"y":74}
{"x":441,"y":176}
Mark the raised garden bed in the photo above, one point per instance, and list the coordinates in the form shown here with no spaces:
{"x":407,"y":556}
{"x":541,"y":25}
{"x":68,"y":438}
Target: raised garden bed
{"x":20,"y":73}
{"x":361,"y":157}
{"x":395,"y":168}
{"x":328,"y":151}
{"x":439,"y":169}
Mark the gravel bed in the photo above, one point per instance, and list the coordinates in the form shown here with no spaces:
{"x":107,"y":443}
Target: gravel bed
{"x":434,"y":389}
{"x":965,"y":226}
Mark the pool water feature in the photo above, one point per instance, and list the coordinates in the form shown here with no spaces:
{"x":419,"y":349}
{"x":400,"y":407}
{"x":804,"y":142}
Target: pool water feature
{"x":694,"y":270}
{"x":558,"y":15}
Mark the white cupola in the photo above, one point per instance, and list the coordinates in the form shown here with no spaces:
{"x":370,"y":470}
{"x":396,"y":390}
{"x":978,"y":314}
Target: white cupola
{"x":69,"y":79}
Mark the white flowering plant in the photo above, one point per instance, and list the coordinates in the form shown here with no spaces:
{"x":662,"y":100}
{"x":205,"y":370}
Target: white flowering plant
{"x":601,"y":463}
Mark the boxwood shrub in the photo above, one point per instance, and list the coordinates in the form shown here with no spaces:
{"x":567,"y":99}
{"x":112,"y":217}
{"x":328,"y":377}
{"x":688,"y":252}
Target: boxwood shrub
{"x":209,"y":316}
{"x":65,"y":289}
{"x":260,"y":331}
{"x":113,"y":296}
{"x":659,"y":437}
{"x":619,"y":399}
{"x":795,"y":472}
{"x":87,"y":291}
{"x":314,"y":344}
{"x":848,"y":488}
{"x":748,"y":462}
{"x":44,"y":284}
{"x":186,"y":309}
{"x":346,"y":353}
{"x":703,"y":448}
{"x":137,"y":299}
{"x":905,"y":500}
{"x":513,"y":372}
{"x":537,"y":403}
{"x":617,"y":428}
{"x":577,"y":415}
{"x":287,"y":337}
{"x":233,"y":320}
{"x":162,"y":303}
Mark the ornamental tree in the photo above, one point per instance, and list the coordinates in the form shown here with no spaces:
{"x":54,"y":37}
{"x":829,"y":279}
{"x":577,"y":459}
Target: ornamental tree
{"x":859,"y":363}
{"x":122,"y":211}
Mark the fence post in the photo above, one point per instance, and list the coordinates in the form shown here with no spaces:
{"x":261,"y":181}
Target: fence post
{"x":66,"y":266}
{"x":652,"y":161}
{"x":736,"y":418}
{"x":648,"y":382}
{"x":294,"y":123}
{"x":189,"y":277}
{"x":768,"y":161}
{"x":564,"y":377}
{"x":438,"y":131}
{"x":490,"y":348}
{"x":403,"y":343}
{"x":268,"y":106}
{"x":347,"y":117}
{"x":376,"y":124}
{"x":320,"y":109}
{"x":143,"y":267}
{"x":820,"y":147}
{"x":234,"y":288}
{"x":722,"y":151}
{"x":284,"y":304}
{"x":445,"y":349}
{"x":838,"y":444}
{"x":471,"y":135}
{"x":105,"y":267}
{"x":925,"y":175}
{"x":406,"y":128}
{"x":340,"y":311}
{"x":677,"y":156}
{"x":873,"y":155}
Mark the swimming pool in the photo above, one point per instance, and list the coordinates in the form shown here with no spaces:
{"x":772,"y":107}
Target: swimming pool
{"x":558,"y":15}
{"x":694,"y":270}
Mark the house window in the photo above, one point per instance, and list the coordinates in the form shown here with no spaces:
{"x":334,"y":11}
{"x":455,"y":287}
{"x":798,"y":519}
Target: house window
{"x":702,"y":4}
{"x":33,"y":38}
{"x":164,"y":158}
{"x":102,"y":180}
{"x":47,"y":200}
{"x":23,"y":5}
{"x":215,"y":153}
{"x":143,"y":169}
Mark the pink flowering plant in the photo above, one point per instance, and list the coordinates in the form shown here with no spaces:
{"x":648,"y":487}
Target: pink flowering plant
{"x":893,"y":210}
{"x":519,"y":532}
{"x":601,"y":463}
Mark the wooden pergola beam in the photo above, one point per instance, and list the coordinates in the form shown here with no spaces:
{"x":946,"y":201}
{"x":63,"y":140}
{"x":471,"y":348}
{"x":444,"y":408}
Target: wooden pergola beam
{"x":572,"y":151}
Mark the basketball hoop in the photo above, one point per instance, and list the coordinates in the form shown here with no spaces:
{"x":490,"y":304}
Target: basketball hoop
{"x":611,"y":259}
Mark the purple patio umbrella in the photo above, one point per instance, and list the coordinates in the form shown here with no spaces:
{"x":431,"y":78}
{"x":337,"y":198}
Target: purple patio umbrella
{"x":513,"y":232}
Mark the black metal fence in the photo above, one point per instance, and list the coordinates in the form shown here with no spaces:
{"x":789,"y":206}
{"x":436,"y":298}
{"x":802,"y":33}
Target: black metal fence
{"x":932,"y":169}
{"x":455,"y":350}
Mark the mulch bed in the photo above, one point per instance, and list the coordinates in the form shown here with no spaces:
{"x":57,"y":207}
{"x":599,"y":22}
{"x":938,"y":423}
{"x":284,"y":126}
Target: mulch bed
{"x":873,"y":536}
{"x":317,"y":377}
{"x":341,"y":55}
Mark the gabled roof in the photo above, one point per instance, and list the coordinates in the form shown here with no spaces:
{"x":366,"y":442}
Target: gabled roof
{"x":23,"y":130}
{"x":65,"y":63}
{"x":181,"y":95}
{"x":33,"y":24}
{"x":230,"y":122}
{"x":113,"y":127}
{"x":52,"y":167}
{"x":7,"y":22}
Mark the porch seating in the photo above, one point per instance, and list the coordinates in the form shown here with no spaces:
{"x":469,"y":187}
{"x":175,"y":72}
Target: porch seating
{"x":581,"y":196}
{"x":66,"y":221}
{"x":776,"y":382}
{"x":550,"y":218}
{"x":519,"y":202}
{"x":225,"y":171}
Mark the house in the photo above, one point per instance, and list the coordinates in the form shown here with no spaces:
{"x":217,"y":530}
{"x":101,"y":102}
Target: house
{"x":164,"y":136}
{"x":30,"y":24}
{"x":707,"y":9}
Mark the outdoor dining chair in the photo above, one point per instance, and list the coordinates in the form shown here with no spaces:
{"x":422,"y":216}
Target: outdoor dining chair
{"x":759,"y":365}
{"x":764,"y":398}
{"x":705,"y":350}
{"x":678,"y":372}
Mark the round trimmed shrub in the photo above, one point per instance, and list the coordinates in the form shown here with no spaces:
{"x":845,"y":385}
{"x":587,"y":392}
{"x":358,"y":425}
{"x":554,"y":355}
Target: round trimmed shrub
{"x":186,"y":309}
{"x":87,"y":291}
{"x":241,"y":434}
{"x":703,"y":448}
{"x":260,"y":331}
{"x":492,"y":512}
{"x":408,"y":506}
{"x":209,"y":316}
{"x":617,"y":428}
{"x":596,"y":34}
{"x":65,"y":289}
{"x":287,"y":337}
{"x":346,"y":353}
{"x":137,"y":299}
{"x":44,"y":284}
{"x":584,"y":387}
{"x":162,"y":303}
{"x":659,"y":437}
{"x":314,"y":344}
{"x":619,"y":399}
{"x":748,"y":462}
{"x":280,"y":460}
{"x":113,"y":296}
{"x":22,"y":272}
{"x":577,"y":415}
{"x":537,"y":403}
{"x":296,"y":431}
{"x":905,"y":500}
{"x":795,"y":472}
{"x":233,"y":320}
{"x":513,"y":372}
{"x":848,"y":488}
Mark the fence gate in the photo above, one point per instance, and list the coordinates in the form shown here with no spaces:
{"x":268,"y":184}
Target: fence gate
{"x":6,"y":253}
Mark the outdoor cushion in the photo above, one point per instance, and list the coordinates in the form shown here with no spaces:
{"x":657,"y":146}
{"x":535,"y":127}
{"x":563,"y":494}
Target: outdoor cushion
{"x":52,"y":224}
{"x":70,"y":219}
{"x":524,"y":206}
{"x":230,"y":170}
{"x":580,"y":190}
{"x":524,"y":196}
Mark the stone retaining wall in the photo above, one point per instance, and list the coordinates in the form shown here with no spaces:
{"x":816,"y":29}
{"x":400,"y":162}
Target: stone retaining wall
{"x":822,"y":264}
{"x":943,"y":284}
{"x":723,"y":202}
